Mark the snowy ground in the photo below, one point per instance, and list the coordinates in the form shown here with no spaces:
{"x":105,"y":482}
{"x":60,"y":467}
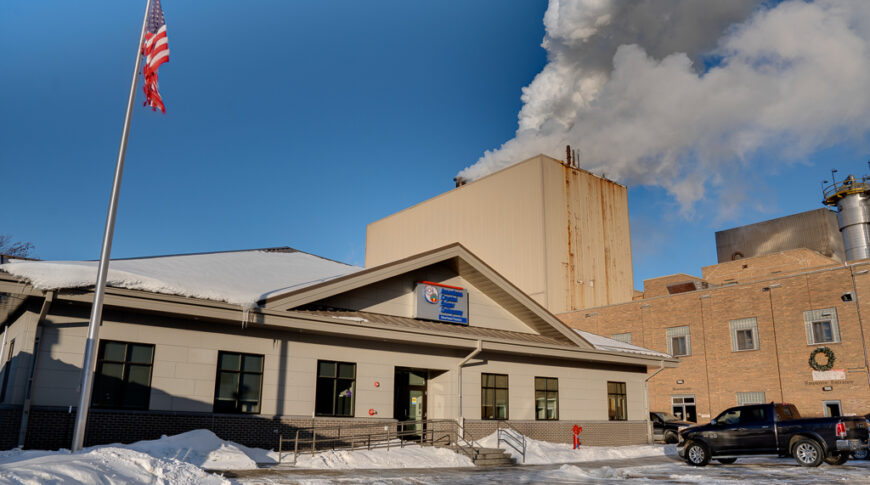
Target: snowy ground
{"x":182,"y":459}
{"x":657,"y":470}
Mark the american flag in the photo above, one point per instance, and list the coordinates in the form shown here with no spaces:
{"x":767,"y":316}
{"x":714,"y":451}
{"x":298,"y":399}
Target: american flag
{"x":156,"y":52}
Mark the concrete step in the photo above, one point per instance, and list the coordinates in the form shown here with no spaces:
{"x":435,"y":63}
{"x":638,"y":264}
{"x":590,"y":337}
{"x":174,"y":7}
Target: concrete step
{"x":492,"y":457}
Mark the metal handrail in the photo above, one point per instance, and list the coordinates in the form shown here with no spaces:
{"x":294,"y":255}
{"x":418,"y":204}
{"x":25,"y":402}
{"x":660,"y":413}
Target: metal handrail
{"x":838,"y":190}
{"x":512,"y":437}
{"x":312,"y":439}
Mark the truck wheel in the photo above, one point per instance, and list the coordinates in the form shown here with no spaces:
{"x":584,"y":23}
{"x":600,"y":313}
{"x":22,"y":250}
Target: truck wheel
{"x":671,"y":437}
{"x":860,"y":454}
{"x":837,"y":459}
{"x":807,"y":452}
{"x":697,"y":454}
{"x":726,"y":461}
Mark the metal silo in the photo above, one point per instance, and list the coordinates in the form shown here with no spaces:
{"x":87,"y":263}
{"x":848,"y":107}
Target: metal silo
{"x":852,"y":200}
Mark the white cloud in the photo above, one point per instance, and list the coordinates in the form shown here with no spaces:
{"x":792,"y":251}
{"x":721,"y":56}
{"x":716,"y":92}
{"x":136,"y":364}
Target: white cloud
{"x":626,"y":86}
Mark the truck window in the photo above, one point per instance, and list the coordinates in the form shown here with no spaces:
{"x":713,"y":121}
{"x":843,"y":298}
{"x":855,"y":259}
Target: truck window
{"x":731,"y":416}
{"x":753,"y":415}
{"x":786,"y":412}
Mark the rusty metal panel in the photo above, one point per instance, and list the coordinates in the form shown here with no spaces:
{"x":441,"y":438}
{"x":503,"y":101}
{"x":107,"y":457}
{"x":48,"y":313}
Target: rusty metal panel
{"x":815,"y":229}
{"x":558,"y":233}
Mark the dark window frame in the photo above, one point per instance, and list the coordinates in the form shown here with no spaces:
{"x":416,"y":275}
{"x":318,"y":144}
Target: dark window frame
{"x":335,"y":386}
{"x":126,"y":364}
{"x":547,"y":392}
{"x":495,"y":388}
{"x":683,"y":346}
{"x":620,"y":398}
{"x":818,"y":327}
{"x":217,"y":405}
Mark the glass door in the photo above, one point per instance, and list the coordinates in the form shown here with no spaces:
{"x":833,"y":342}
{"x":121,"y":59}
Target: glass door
{"x":683,"y":407}
{"x":410,"y":401}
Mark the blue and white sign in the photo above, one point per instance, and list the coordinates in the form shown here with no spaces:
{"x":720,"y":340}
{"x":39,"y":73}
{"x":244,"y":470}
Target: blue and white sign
{"x":442,"y":303}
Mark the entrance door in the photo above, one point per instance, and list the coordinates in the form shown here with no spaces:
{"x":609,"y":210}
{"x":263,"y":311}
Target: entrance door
{"x":683,"y":407}
{"x":410,"y":400}
{"x":833,"y":409}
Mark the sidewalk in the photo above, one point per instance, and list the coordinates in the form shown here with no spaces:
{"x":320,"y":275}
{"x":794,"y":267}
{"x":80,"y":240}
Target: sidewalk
{"x":275,"y":475}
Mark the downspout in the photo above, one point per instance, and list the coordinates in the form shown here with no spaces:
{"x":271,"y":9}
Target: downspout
{"x":470,"y":356}
{"x":649,"y":435}
{"x":857,"y":309}
{"x":25,"y":412}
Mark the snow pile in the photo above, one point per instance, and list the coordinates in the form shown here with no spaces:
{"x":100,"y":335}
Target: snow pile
{"x":237,"y":277}
{"x":103,"y":465}
{"x":545,"y":452}
{"x":180,"y":459}
{"x":609,"y":344}
{"x":204,"y":449}
{"x":411,"y":456}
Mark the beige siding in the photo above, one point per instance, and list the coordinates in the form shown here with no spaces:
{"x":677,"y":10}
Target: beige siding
{"x":396,"y":297}
{"x":23,"y":332}
{"x":559,"y":234}
{"x":184,"y":372}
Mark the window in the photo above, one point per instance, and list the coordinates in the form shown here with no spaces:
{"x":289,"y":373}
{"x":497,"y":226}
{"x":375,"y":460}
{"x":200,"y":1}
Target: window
{"x":678,"y":341}
{"x":744,"y":334}
{"x":616,"y":410}
{"x":493,"y":396}
{"x":546,"y":398}
{"x":622,"y":337}
{"x":239,"y":383}
{"x":744,"y":398}
{"x":123,"y":376}
{"x":684,"y":408}
{"x":336,"y":386}
{"x":822,"y":326}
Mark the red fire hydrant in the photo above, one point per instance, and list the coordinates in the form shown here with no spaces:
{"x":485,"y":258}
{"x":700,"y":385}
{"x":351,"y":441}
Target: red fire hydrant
{"x":577,"y":429}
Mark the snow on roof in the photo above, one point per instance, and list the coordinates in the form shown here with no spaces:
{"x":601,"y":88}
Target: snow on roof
{"x":609,"y":344}
{"x":237,"y":277}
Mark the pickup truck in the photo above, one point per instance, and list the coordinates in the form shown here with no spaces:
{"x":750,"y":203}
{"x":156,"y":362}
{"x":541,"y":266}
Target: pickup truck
{"x":666,"y":426}
{"x":773,"y":429}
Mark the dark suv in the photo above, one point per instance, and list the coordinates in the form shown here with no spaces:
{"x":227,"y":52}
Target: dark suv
{"x":666,"y":426}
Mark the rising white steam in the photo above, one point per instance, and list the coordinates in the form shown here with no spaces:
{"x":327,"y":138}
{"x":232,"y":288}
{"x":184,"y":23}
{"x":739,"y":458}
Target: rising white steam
{"x":680,"y":93}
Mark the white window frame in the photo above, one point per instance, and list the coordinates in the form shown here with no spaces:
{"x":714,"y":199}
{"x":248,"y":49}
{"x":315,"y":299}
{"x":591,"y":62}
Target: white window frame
{"x":622,"y":337}
{"x":679,"y":332}
{"x":812,"y":317}
{"x":756,"y":397}
{"x":740,"y":325}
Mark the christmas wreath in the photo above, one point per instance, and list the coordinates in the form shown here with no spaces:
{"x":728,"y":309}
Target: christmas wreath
{"x":828,"y":353}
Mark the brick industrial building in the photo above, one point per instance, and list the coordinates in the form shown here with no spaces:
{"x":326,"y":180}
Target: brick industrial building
{"x":784,"y":324}
{"x":745,"y":331}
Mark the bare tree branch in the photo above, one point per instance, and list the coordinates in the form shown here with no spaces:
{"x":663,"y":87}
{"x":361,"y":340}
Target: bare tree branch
{"x":22,"y":249}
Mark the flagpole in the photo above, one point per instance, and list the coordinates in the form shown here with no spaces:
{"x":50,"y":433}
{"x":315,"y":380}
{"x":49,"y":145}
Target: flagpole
{"x":105,"y":252}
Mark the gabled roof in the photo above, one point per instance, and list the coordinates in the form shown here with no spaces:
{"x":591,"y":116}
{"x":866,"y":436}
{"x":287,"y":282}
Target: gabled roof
{"x":465,"y":264}
{"x":237,"y":277}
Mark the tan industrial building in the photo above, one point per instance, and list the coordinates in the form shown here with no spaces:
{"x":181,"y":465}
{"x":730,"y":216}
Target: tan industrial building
{"x":559,"y":233}
{"x":743,"y":332}
{"x":257,"y":344}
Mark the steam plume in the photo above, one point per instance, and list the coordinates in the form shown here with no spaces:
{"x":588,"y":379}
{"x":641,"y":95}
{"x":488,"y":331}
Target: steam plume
{"x":680,"y":93}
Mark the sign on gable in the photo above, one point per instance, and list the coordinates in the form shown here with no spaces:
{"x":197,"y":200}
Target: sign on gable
{"x":441,"y":302}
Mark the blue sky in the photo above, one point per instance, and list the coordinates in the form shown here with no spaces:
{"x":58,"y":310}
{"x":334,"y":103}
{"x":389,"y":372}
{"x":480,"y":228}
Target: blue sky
{"x":295,"y":123}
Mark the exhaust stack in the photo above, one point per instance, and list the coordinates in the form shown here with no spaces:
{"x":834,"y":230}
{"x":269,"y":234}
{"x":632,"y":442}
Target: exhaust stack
{"x":851,"y":197}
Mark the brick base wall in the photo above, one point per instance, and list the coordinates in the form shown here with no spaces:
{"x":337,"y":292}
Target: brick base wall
{"x":595,"y":433}
{"x":52,"y":428}
{"x":10,"y":425}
